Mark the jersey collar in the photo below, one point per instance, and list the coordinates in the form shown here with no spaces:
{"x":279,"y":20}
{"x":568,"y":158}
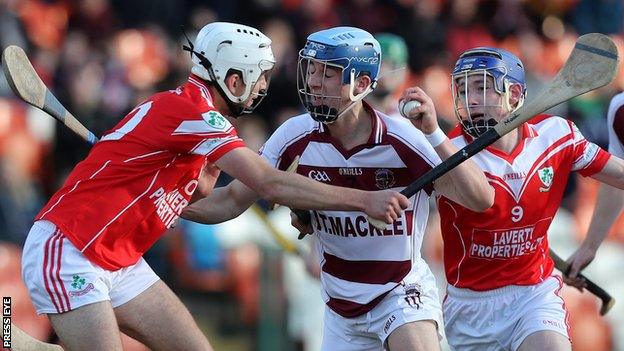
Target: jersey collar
{"x":378,"y":128}
{"x":197,"y":84}
{"x":377,"y":134}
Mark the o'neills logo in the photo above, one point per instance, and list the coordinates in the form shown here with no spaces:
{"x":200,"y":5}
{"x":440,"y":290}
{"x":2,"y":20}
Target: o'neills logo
{"x":86,"y":289}
{"x":350,"y":171}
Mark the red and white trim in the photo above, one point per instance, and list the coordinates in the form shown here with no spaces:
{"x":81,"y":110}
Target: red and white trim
{"x":51,"y":272}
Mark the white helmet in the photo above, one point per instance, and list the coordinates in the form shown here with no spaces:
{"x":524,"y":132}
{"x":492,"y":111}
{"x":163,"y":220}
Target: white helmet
{"x":221,"y":47}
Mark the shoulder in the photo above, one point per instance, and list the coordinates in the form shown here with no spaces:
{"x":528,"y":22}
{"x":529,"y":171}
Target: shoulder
{"x":545,"y":123}
{"x":295,"y":128}
{"x":171,"y":103}
{"x":402,"y":134}
{"x":617,"y":101}
{"x":400,"y":127}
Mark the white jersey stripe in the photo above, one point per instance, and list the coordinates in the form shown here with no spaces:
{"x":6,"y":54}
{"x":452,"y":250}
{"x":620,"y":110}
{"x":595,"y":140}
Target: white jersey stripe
{"x":461,"y":240}
{"x":74,"y":188}
{"x":121,"y":212}
{"x":199,"y":128}
{"x":210,"y":145}
{"x":143,"y":156}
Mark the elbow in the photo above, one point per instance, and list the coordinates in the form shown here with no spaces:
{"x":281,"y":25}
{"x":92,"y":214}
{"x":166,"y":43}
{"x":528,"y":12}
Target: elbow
{"x":192,"y":213}
{"x":483,"y":201}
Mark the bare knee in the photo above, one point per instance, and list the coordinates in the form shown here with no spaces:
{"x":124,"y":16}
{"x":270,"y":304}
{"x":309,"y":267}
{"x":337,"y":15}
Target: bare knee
{"x":419,"y":335}
{"x":142,"y":318}
{"x":545,"y":340}
{"x":90,"y":327}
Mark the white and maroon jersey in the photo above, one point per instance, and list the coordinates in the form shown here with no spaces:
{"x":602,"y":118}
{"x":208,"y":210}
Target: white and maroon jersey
{"x":135,"y":182}
{"x":507,"y":244}
{"x":615,"y":118}
{"x":360,"y":264}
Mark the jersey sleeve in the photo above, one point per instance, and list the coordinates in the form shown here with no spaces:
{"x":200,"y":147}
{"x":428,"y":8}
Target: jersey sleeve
{"x":202,"y":133}
{"x":589,"y":158}
{"x":416,"y":152}
{"x":616,"y":128}
{"x":274,"y":149}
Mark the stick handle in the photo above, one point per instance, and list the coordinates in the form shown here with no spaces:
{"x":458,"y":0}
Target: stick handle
{"x":607,"y":300}
{"x":54,"y":108}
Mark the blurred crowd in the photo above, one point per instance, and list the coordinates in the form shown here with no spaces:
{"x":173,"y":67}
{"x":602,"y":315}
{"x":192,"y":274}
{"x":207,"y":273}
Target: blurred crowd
{"x":103,"y":57}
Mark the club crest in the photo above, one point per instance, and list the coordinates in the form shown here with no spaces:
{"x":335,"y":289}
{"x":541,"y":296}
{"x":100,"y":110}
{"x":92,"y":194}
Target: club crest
{"x":384,"y":178}
{"x":214,"y":119}
{"x":546,"y":175}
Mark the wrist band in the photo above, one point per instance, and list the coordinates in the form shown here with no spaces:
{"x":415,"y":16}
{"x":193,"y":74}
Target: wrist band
{"x":436,"y":138}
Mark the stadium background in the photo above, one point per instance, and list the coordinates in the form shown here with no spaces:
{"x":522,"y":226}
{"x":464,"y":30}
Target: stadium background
{"x":102,"y":57}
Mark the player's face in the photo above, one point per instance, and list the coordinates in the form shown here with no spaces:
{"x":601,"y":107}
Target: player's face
{"x":477,"y":99}
{"x":324,"y":83}
{"x":258,"y":91}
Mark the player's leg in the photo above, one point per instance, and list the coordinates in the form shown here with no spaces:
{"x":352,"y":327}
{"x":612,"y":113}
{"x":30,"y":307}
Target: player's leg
{"x":150,"y":312}
{"x":90,"y":327}
{"x":347,"y":334}
{"x":475,"y":321}
{"x":415,"y":336}
{"x":408,"y":318}
{"x":546,"y":341}
{"x":73,"y":292}
{"x":543,"y":319}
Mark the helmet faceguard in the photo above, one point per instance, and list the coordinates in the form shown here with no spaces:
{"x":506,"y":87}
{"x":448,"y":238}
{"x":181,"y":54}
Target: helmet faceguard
{"x":481,"y":69}
{"x":353,"y":52}
{"x":222,"y":49}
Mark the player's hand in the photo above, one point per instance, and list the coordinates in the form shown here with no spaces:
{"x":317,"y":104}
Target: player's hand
{"x":303,"y":228}
{"x":386,"y":205}
{"x":428,"y":120}
{"x":579,"y":260}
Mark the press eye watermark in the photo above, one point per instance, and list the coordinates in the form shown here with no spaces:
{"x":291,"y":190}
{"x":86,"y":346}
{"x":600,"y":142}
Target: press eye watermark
{"x":6,"y":322}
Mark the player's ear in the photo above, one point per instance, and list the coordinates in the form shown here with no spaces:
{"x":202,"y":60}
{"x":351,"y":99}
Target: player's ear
{"x":234,"y":82}
{"x":362,"y":83}
{"x":515,"y":94}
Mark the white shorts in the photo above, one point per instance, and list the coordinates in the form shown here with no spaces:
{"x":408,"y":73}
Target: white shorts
{"x":60,"y":278}
{"x":501,"y":319}
{"x":416,"y":299}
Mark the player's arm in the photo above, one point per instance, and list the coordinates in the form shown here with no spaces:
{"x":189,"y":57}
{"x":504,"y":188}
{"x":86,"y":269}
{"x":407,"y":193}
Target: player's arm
{"x":297,"y":191}
{"x":222,"y":204}
{"x":609,"y":205}
{"x":466,"y":184}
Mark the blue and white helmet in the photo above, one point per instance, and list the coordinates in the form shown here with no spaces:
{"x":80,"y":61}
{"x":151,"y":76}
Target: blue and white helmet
{"x":352,"y":50}
{"x":505,"y":69}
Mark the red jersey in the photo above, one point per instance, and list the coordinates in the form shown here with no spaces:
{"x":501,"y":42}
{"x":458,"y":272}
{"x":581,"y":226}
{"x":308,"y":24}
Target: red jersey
{"x":507,"y":244}
{"x":135,"y":182}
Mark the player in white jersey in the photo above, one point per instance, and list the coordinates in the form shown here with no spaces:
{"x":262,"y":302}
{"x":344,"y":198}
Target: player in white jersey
{"x":609,"y":203}
{"x":379,"y":292}
{"x":82,"y":259}
{"x":502,"y":294}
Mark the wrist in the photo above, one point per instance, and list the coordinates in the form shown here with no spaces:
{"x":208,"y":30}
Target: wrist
{"x":436,"y":137}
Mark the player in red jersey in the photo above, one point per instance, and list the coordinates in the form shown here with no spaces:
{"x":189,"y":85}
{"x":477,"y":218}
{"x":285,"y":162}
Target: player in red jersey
{"x":378,"y":290}
{"x":82,"y":258}
{"x":502,"y":294}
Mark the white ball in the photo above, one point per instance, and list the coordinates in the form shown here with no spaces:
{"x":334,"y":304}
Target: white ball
{"x":405,"y":108}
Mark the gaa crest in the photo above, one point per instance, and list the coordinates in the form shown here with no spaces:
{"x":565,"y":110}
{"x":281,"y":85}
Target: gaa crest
{"x":384,"y":178}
